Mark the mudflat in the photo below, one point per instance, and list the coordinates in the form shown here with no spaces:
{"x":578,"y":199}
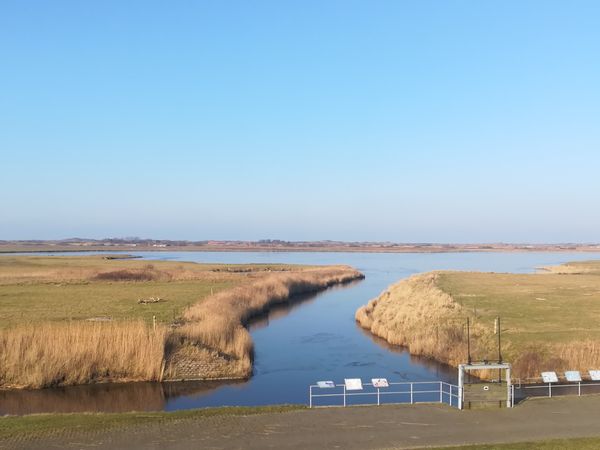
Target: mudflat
{"x":401,"y":426}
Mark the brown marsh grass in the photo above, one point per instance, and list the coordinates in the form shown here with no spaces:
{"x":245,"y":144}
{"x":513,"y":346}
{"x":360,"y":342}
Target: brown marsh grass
{"x":59,"y":269}
{"x":52,"y":354}
{"x":416,"y":314}
{"x":218,"y":322}
{"x":575,"y":355}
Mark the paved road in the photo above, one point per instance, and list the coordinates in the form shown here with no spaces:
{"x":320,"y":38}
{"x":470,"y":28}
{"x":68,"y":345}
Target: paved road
{"x":350,"y":428}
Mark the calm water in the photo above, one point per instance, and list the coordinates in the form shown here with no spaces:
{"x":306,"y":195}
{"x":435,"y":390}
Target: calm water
{"x":314,"y":339}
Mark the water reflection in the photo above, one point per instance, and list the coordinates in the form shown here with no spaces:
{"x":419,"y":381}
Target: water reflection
{"x":100,"y":397}
{"x":106,"y":397}
{"x":443,"y":371}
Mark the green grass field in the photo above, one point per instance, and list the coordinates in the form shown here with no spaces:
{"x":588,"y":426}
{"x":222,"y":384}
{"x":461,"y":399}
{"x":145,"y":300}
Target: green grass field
{"x":549,"y":320}
{"x":41,"y":425}
{"x":55,"y":288}
{"x":554,"y":444}
{"x":534,"y":308}
{"x":77,"y":301}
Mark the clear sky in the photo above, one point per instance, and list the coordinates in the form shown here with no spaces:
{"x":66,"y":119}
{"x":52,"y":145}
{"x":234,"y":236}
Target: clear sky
{"x":409,"y":121}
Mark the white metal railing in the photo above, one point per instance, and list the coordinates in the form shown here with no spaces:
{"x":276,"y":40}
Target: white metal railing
{"x":546,"y":389}
{"x":406,"y":392}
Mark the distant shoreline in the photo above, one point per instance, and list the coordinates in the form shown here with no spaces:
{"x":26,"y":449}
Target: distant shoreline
{"x":8,"y":247}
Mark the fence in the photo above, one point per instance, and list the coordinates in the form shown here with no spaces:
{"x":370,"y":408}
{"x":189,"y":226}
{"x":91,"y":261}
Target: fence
{"x":396,"y":393}
{"x":536,"y":389}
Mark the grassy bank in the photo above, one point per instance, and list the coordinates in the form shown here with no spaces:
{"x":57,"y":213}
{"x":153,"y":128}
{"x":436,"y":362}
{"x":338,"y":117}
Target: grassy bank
{"x":42,"y":425}
{"x":591,"y":443}
{"x":549,"y":320}
{"x":73,"y":320}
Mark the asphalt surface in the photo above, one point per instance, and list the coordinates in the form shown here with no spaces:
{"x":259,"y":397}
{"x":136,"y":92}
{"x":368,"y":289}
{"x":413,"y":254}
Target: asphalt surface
{"x":383,"y":427}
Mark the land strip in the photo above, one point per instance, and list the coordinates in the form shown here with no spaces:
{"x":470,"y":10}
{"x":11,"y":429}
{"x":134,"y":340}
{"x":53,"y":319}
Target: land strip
{"x":553,"y":444}
{"x":386,"y":427}
{"x":549,"y":321}
{"x":125,"y":319}
{"x":79,"y":245}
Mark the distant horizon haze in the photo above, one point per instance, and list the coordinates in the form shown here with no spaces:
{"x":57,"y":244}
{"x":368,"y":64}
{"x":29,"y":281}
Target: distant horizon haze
{"x":457,"y":121}
{"x":132,"y":239}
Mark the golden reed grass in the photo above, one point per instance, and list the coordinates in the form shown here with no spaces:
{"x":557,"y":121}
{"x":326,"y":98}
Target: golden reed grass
{"x":49,"y":354}
{"x":416,"y":314}
{"x":218,"y":322}
{"x":575,"y":355}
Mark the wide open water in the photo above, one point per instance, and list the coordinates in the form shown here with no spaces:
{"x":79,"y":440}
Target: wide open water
{"x":313,"y":339}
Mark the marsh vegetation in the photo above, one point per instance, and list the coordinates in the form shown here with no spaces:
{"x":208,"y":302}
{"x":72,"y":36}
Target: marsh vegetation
{"x":74,"y":320}
{"x":549,"y":320}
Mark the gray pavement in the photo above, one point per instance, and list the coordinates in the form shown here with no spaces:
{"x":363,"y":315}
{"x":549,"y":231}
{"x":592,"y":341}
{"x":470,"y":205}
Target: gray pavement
{"x":402,"y":426}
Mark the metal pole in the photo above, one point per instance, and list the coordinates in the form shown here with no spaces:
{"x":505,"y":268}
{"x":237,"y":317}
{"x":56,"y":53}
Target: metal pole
{"x":499,"y":342}
{"x":344,"y":395}
{"x":579,"y":388}
{"x":512,"y":399}
{"x":377,"y":396}
{"x":460,"y":385}
{"x":310,"y":396}
{"x":511,"y":390}
{"x":468,"y":342}
{"x":549,"y":389}
{"x":441,"y":392}
{"x":411,"y":394}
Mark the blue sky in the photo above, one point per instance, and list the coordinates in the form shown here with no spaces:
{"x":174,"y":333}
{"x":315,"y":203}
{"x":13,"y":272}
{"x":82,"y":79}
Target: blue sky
{"x":438,"y":121}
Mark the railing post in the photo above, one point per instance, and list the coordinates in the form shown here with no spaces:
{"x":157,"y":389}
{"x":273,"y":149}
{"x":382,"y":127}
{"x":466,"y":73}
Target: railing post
{"x":579,"y":388}
{"x":512,"y":397}
{"x":344,"y":394}
{"x":549,"y":389}
{"x":441,"y":392}
{"x":310,"y":396}
{"x":411,"y":394}
{"x":461,"y":374}
{"x":377,"y":396}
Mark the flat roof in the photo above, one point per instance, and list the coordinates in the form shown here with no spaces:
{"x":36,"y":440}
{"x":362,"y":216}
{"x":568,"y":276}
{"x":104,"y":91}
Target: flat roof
{"x":484,"y":366}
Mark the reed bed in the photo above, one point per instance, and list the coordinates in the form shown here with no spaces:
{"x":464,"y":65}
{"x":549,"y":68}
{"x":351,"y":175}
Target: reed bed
{"x":581,"y":355}
{"x":218,"y":322}
{"x":416,"y":314}
{"x":51,"y":354}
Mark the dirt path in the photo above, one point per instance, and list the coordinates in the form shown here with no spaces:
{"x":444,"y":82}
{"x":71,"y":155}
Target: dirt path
{"x":351,"y":428}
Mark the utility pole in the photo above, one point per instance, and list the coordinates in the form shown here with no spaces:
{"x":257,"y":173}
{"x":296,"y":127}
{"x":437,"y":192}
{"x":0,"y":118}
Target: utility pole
{"x":468,"y":342}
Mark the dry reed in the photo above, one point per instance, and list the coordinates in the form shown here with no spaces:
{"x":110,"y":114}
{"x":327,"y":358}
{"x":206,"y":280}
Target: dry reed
{"x":575,"y":355}
{"x":416,"y":314}
{"x":218,"y":322}
{"x":80,"y":352}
